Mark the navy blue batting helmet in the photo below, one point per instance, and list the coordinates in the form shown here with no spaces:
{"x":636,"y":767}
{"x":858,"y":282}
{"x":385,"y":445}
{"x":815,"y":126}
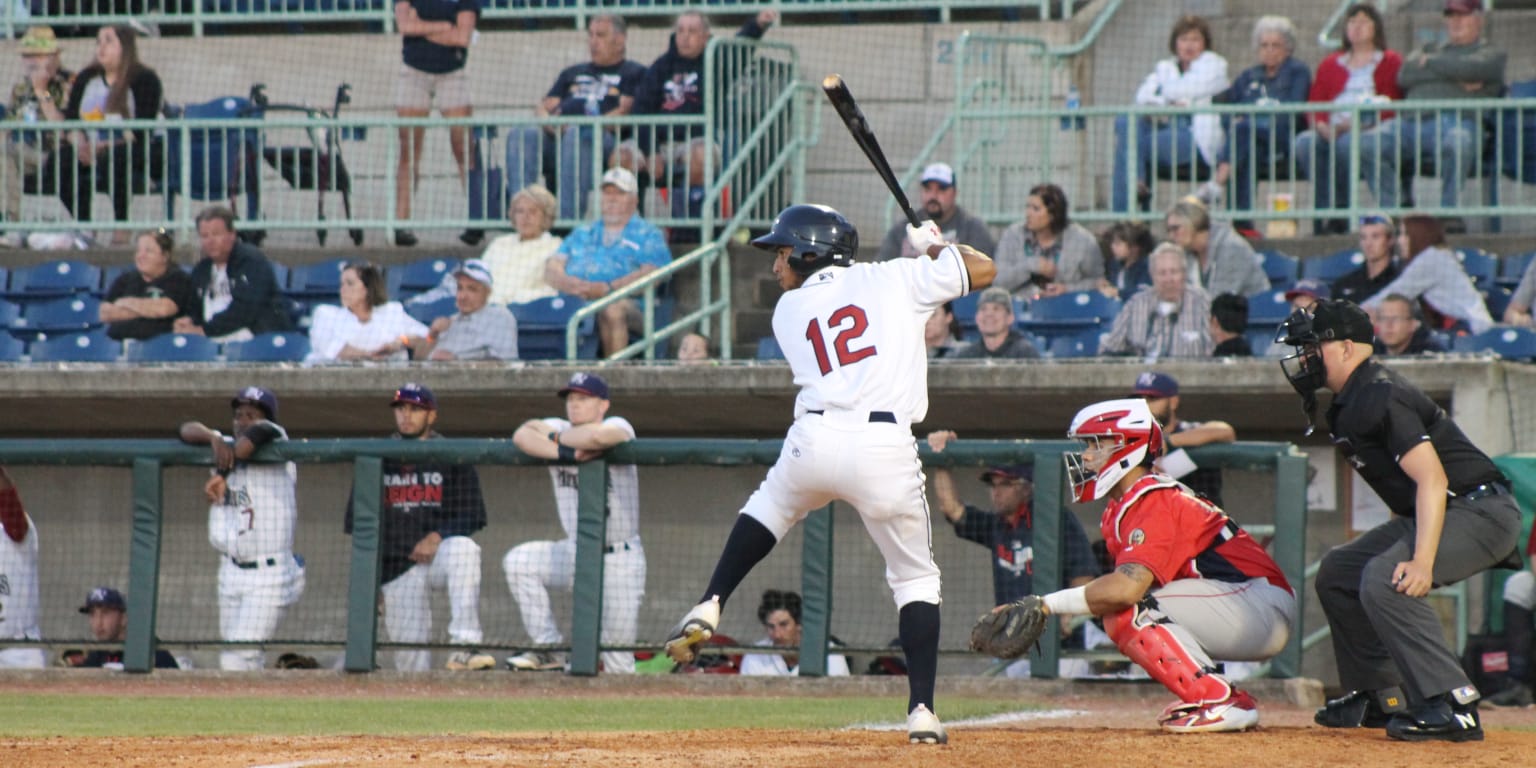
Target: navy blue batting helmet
{"x":820,"y":236}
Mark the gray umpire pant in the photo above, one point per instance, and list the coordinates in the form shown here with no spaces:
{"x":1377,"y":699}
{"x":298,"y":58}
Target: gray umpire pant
{"x":1382,"y":637}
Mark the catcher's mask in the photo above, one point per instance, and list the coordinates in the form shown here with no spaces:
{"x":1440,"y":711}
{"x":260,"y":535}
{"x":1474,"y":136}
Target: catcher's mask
{"x":1117,"y":435}
{"x":1305,"y":331}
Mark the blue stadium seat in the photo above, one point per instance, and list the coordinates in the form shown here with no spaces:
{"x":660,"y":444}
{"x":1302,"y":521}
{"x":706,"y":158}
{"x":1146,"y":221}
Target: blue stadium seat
{"x":1480,"y":265}
{"x":426,"y":312}
{"x":541,"y":328}
{"x":70,"y":314}
{"x":11,"y":348}
{"x":1282,"y":269}
{"x":1070,"y":314}
{"x":268,"y":348}
{"x":9,"y":314}
{"x":1508,"y":343}
{"x":407,"y":280}
{"x":280,"y":275}
{"x":53,"y":279}
{"x":1079,"y":345}
{"x":1497,"y":300}
{"x":768,"y":349}
{"x":965,"y":311}
{"x":1333,"y":267}
{"x":225,"y":162}
{"x":90,"y":347}
{"x":1268,"y":307}
{"x":174,"y":348}
{"x":1512,"y":268}
{"x":319,"y":280}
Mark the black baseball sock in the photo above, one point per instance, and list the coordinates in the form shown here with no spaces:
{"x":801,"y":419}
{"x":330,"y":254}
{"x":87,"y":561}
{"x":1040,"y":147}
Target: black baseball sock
{"x":749,"y":542}
{"x":1517,"y":635}
{"x":919,"y":630}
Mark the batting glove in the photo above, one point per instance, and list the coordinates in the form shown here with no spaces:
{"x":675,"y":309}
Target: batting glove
{"x":920,"y":238}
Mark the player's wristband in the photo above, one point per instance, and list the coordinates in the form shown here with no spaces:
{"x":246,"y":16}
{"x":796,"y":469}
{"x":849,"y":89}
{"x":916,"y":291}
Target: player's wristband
{"x":566,"y":453}
{"x":1073,"y":600}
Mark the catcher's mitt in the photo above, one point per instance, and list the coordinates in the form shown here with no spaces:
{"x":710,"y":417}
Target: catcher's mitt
{"x":297,"y":661}
{"x":1009,"y":633}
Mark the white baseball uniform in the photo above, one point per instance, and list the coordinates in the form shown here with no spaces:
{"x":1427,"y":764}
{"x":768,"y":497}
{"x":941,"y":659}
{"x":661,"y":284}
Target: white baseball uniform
{"x":535,"y":567}
{"x":259,"y":576}
{"x":18,"y":586}
{"x":853,"y":337}
{"x":767,"y":664}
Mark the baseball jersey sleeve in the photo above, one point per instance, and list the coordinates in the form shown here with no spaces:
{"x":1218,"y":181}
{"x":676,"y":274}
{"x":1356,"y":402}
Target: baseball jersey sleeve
{"x":974,"y":525}
{"x":1155,"y":535}
{"x":622,"y":423}
{"x":931,"y":282}
{"x":1403,"y":429}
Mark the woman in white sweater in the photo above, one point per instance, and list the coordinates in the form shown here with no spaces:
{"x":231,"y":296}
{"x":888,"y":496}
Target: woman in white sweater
{"x":367,"y":325}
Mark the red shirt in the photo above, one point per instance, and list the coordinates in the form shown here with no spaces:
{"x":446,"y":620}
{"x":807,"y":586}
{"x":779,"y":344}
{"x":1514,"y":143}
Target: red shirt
{"x":1332,"y":76}
{"x":1160,"y":524}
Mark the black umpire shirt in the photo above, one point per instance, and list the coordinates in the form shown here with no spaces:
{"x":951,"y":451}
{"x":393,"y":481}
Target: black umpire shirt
{"x":1379,"y":416}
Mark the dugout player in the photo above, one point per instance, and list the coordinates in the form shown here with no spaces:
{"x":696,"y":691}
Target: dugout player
{"x":853,"y":336}
{"x":427,"y":512}
{"x":251,"y":515}
{"x":534,"y":567}
{"x":1452,"y":517}
{"x":18,"y":574}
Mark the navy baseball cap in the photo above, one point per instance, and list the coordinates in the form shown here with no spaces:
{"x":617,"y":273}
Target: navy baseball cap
{"x":105,"y":597}
{"x":415,"y":394}
{"x":260,"y":397}
{"x":1009,"y":472}
{"x":1154,"y":384}
{"x":587,"y":384}
{"x":1313,"y":287}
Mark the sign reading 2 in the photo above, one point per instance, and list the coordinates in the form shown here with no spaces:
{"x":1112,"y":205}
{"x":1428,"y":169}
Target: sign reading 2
{"x":856,"y":322}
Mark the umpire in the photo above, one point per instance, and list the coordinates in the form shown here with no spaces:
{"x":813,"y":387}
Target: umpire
{"x":1452,"y":517}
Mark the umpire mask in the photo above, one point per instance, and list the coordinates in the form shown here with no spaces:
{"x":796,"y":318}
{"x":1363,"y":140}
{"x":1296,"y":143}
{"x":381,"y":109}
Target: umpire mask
{"x":1304,"y":369}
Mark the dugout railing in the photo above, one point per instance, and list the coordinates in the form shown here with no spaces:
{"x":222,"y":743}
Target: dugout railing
{"x":149,"y":459}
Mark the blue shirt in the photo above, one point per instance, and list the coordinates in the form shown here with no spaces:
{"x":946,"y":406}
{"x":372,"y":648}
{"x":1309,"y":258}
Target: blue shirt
{"x":589,"y":258}
{"x":1013,"y":550}
{"x":422,"y":54}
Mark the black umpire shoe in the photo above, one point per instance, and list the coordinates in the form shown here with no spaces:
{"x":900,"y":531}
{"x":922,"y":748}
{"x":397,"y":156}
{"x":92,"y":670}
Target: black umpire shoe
{"x":1438,"y":719}
{"x":1356,"y":709}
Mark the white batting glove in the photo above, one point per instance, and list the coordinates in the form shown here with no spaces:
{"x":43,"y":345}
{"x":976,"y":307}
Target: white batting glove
{"x":920,"y":238}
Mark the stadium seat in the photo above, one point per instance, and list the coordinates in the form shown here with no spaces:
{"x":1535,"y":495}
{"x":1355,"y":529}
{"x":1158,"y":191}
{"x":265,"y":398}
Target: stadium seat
{"x":90,"y":347}
{"x":1497,"y":300}
{"x":1333,"y":267}
{"x":173,"y":348}
{"x":280,"y":275}
{"x":53,"y":279}
{"x":1512,"y":268}
{"x":426,"y":312}
{"x":319,"y":280}
{"x":541,"y":328}
{"x":268,"y":348}
{"x":768,"y":349}
{"x":965,"y":312}
{"x":70,"y":314}
{"x":1067,"y":314}
{"x":1079,"y":345}
{"x":11,"y":348}
{"x":9,"y":314}
{"x":407,"y":280}
{"x":1480,"y":265}
{"x":225,"y":162}
{"x":1282,"y":269}
{"x":1508,"y":343}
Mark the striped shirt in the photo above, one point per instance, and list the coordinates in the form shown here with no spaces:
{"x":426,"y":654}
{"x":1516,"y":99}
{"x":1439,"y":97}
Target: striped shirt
{"x":1141,"y":330}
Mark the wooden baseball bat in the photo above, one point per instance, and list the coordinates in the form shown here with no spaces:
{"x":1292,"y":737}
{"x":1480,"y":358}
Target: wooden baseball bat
{"x":858,"y":127}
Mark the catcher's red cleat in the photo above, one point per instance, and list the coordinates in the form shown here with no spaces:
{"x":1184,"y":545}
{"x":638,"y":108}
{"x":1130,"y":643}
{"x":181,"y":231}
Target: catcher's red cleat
{"x":1237,"y":712}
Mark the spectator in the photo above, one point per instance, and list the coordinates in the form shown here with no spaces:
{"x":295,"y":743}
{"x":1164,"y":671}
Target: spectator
{"x":516,"y":260}
{"x":780,"y":614}
{"x":1519,"y":603}
{"x":1129,"y":244}
{"x":114,"y":86}
{"x":1363,"y":71}
{"x":1220,"y":260}
{"x":1046,"y":254}
{"x":434,"y":47}
{"x":1261,"y":140}
{"x":1161,"y":392}
{"x":693,"y":349}
{"x":1229,"y":324}
{"x":608,"y":254}
{"x":939,"y":205}
{"x":1399,"y":331}
{"x":1180,"y":144}
{"x":235,"y":288}
{"x":146,"y":301}
{"x":1464,"y":66}
{"x":366,"y":326}
{"x":941,"y":333}
{"x":1377,"y":239}
{"x":1432,"y":274}
{"x":37,"y":97}
{"x":1306,"y":292}
{"x":1170,"y":320}
{"x":1519,"y":311}
{"x":108,"y":612}
{"x":428,"y":512}
{"x":18,"y":563}
{"x":605,"y":85}
{"x":999,"y":339}
{"x":480,"y":330}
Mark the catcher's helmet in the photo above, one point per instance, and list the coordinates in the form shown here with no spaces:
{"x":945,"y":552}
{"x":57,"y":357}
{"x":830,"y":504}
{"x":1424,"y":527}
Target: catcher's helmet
{"x":1121,"y":434}
{"x":820,"y":236}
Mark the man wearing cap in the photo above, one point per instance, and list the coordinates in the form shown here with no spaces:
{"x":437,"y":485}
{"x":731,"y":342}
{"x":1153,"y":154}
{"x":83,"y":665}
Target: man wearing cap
{"x":1452,"y":517}
{"x":535,"y":567}
{"x":1306,"y":292}
{"x":608,"y":254}
{"x":999,"y":339}
{"x":251,"y":516}
{"x":18,"y":571}
{"x":480,"y":330}
{"x":1400,"y":330}
{"x":939,"y":205}
{"x":1161,"y":392}
{"x":108,"y":613}
{"x":38,"y":96}
{"x":428,"y":510}
{"x":1170,"y":320}
{"x":1378,"y":268}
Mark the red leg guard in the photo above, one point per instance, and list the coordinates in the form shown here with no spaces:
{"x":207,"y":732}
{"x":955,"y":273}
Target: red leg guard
{"x":1162,"y":654}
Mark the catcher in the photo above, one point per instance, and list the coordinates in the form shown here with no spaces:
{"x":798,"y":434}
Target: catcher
{"x":1188,"y":583}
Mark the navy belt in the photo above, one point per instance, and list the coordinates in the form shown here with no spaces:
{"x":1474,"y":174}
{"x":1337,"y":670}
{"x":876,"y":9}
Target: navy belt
{"x":1483,"y":491}
{"x":874,"y":416}
{"x":251,"y":566}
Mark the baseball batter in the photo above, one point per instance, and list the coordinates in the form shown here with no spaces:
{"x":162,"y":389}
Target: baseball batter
{"x":853,"y":337}
{"x":535,"y":567}
{"x":251,"y":516}
{"x":428,"y":512}
{"x":18,"y":581}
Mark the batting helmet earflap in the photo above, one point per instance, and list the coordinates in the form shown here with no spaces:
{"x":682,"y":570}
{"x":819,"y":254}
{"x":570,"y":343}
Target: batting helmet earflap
{"x":820,"y":236}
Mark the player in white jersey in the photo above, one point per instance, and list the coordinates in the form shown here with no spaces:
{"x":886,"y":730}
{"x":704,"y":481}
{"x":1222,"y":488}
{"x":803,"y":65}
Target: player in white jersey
{"x":853,"y":336}
{"x":535,"y":567}
{"x":18,"y":581}
{"x":251,"y":516}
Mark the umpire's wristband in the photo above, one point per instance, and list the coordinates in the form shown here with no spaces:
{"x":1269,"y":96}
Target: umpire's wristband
{"x":566,"y":453}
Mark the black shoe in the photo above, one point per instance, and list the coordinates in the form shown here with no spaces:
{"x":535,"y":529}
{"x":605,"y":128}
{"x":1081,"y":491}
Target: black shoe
{"x":472,"y":236}
{"x":1455,"y":225}
{"x":1438,"y":719}
{"x":405,"y":238}
{"x":1356,"y":709}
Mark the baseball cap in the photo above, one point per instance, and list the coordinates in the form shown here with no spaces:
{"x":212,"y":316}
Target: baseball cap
{"x":1338,"y":320}
{"x":1463,"y":6}
{"x":415,"y":394}
{"x":1310,"y":286}
{"x":39,"y":41}
{"x":940,"y":173}
{"x":1154,"y":384}
{"x":259,"y":397}
{"x":587,"y":384}
{"x":621,"y":178}
{"x":476,"y":270}
{"x":1009,"y":472}
{"x":106,"y":597}
{"x":996,"y":295}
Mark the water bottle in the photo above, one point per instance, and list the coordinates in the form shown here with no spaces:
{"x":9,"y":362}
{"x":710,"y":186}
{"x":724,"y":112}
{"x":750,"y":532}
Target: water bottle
{"x":1074,"y":101}
{"x":29,"y":111}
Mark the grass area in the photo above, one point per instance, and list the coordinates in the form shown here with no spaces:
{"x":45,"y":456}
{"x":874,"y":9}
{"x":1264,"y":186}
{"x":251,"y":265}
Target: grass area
{"x":91,"y":715}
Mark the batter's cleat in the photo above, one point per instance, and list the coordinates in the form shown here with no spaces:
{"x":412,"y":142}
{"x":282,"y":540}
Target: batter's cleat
{"x":923,"y":727}
{"x":1237,"y":712}
{"x":1437,"y":719}
{"x":1514,"y":695}
{"x":694,"y":630}
{"x":536,"y":661}
{"x":1356,"y":709}
{"x":471,"y":660}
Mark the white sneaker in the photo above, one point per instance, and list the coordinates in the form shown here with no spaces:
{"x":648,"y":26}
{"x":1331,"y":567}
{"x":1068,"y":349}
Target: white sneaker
{"x":536,"y":661}
{"x":694,"y":630}
{"x":471,"y":660}
{"x":923,"y":727}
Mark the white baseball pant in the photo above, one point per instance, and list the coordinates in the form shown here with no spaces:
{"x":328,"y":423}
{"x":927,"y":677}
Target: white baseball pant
{"x":1245,"y":621}
{"x":252,"y":602}
{"x":535,"y":567}
{"x":408,"y":605}
{"x":23,"y":658}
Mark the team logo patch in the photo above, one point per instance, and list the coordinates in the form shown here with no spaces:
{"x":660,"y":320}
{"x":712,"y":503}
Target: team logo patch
{"x":1137,"y":538}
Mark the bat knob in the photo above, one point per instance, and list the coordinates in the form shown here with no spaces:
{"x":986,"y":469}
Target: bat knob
{"x":831,"y":81}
